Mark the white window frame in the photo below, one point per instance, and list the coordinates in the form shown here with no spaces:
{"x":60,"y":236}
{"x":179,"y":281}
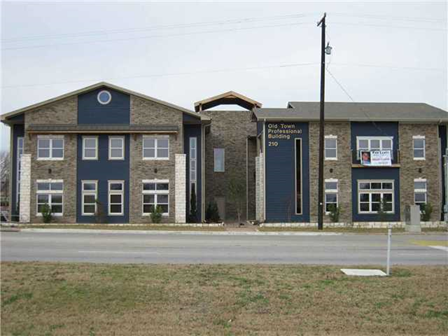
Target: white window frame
{"x":193,"y":163}
{"x":84,"y":138}
{"x":108,"y":101}
{"x":419,"y":137}
{"x":155,"y":193}
{"x":421,"y":191}
{"x":331,"y":191}
{"x":369,"y":139}
{"x":376,"y":191}
{"x":331,"y":137}
{"x":156,"y":146}
{"x":20,"y":149}
{"x":88,"y":192}
{"x":217,"y":169}
{"x":115,"y":192}
{"x":50,"y":148}
{"x":50,"y":193}
{"x":122,"y":138}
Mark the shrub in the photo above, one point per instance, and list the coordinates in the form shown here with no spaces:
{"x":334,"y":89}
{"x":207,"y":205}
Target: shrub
{"x":334,"y":213}
{"x":156,"y":214}
{"x":100,"y":216}
{"x":382,"y":214}
{"x":192,"y":216}
{"x":47,"y":215}
{"x":426,"y":211}
{"x":212,"y":213}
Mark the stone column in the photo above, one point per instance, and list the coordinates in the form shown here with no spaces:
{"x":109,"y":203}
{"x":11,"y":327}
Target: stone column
{"x":181,"y":188}
{"x":25,"y":188}
{"x":259,"y":188}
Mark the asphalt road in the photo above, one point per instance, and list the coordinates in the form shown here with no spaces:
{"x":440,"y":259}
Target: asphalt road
{"x":346,"y":249}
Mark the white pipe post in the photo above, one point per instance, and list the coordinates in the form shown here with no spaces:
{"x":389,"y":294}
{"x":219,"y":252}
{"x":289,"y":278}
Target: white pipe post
{"x":389,"y":236}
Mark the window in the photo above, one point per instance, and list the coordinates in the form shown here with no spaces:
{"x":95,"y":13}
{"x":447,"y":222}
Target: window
{"x":193,"y":163}
{"x":89,"y":197}
{"x":375,"y":193}
{"x":331,"y":194}
{"x":220,"y":157}
{"x":331,"y":147}
{"x":50,"y":147}
{"x":420,"y":192}
{"x":104,"y":97}
{"x":50,"y":192}
{"x":90,"y":148}
{"x":156,"y":148}
{"x":155,"y":193}
{"x":116,"y":148}
{"x":373,"y":143}
{"x":19,"y":169}
{"x":116,"y":198}
{"x":298,"y":166}
{"x":419,"y":147}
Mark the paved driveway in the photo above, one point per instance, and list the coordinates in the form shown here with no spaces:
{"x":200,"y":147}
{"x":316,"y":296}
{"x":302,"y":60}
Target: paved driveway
{"x":346,"y":249}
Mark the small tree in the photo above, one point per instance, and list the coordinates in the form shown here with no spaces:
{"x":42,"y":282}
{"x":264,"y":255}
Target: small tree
{"x":100,"y":215}
{"x":193,"y":216}
{"x":382,"y":212}
{"x":334,"y":213}
{"x":426,"y":211}
{"x":237,"y":194}
{"x":47,"y":215}
{"x":156,"y":214}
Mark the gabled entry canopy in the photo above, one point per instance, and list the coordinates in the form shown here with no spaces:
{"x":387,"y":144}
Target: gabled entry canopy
{"x":227,"y":98}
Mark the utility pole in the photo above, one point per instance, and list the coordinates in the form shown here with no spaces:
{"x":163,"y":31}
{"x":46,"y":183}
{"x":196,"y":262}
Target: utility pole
{"x":320,"y":201}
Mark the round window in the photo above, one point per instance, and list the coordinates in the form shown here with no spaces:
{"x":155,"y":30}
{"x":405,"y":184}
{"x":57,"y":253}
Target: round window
{"x":104,"y":97}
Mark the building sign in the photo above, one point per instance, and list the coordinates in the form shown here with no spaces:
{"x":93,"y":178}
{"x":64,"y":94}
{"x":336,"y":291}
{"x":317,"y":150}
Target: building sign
{"x":281,"y":131}
{"x":376,"y":158}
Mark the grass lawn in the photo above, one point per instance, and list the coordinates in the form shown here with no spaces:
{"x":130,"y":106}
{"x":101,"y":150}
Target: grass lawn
{"x":98,"y":299}
{"x":345,"y":230}
{"x":125,"y":227}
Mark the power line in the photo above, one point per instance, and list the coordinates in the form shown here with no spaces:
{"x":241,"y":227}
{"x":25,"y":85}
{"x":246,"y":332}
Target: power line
{"x":387,"y":26}
{"x":394,"y":18}
{"x":158,"y":36}
{"x":389,"y":67}
{"x":168,"y":74}
{"x":174,"y":26}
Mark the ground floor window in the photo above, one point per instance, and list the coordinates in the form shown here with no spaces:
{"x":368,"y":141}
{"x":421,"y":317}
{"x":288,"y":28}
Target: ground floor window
{"x":155,"y":194}
{"x":420,"y":192}
{"x":89,"y":197}
{"x":331,"y":194}
{"x":116,"y":198}
{"x":298,"y":177}
{"x":375,"y":196}
{"x":50,"y":193}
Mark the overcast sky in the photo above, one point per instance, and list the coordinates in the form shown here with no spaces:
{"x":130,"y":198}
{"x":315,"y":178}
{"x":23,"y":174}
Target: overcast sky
{"x":184,"y":52}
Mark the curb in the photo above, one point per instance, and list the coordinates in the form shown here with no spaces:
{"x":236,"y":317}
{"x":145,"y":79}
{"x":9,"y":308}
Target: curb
{"x":149,"y":232}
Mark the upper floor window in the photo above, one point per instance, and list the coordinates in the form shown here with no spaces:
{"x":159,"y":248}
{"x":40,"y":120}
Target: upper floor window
{"x":420,"y":192}
{"x":104,"y":97}
{"x":419,"y":147}
{"x":50,"y":147}
{"x":373,"y":144}
{"x":90,"y":148}
{"x":156,"y":148}
{"x":116,"y":148}
{"x":50,"y":193}
{"x":219,"y":159}
{"x":331,"y":147}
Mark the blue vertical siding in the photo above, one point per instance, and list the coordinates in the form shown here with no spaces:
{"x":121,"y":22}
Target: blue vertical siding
{"x":194,"y":131}
{"x":375,"y":174}
{"x":90,"y":111}
{"x":18,"y":130}
{"x":103,"y":170}
{"x":280,"y":177}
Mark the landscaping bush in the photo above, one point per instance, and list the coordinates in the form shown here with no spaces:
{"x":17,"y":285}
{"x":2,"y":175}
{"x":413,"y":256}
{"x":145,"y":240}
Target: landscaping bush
{"x":334,"y":213}
{"x":212,"y":213}
{"x":193,"y":216}
{"x":426,"y":211}
{"x":47,"y":215}
{"x":156,"y":215}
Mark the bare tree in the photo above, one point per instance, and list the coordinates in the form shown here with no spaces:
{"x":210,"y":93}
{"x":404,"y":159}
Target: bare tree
{"x":4,"y":175}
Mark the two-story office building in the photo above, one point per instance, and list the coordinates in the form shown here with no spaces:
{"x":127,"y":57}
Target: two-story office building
{"x":107,"y":148}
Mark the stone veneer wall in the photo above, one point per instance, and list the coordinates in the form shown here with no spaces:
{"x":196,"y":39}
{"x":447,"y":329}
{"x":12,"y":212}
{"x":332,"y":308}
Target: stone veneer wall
{"x":25,"y":189}
{"x":229,"y":130}
{"x":259,"y":188}
{"x":181,"y":188}
{"x":61,"y":112}
{"x":431,"y":167}
{"x":145,"y":112}
{"x":342,"y":168}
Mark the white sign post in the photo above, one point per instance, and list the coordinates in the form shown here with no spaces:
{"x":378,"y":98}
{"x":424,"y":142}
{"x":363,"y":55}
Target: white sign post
{"x":389,"y":236}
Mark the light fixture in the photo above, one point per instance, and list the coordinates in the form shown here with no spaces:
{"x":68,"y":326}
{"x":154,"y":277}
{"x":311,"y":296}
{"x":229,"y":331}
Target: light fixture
{"x":328,"y":49}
